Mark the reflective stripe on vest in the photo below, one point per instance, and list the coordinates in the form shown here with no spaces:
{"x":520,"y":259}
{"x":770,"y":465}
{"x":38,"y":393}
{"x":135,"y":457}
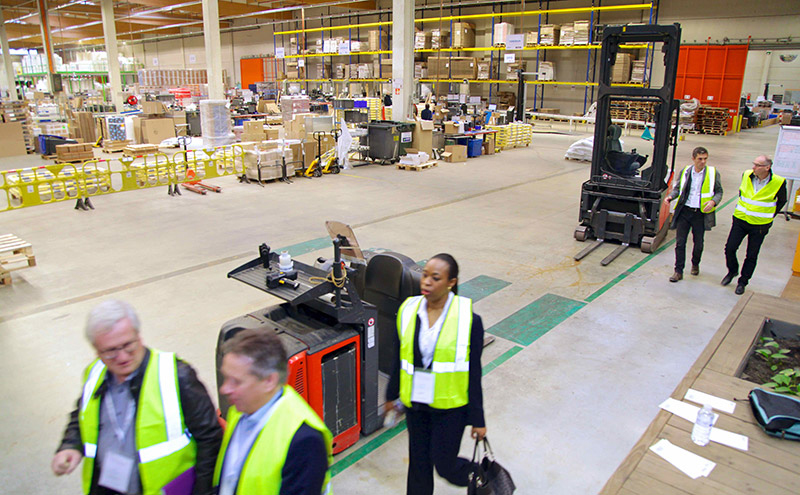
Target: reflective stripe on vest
{"x":262,"y":470}
{"x":758,"y":208}
{"x":165,"y":448}
{"x":706,"y":190}
{"x":450,"y":358}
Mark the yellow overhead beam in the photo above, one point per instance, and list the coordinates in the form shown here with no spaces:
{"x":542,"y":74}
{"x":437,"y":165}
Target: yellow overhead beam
{"x":577,"y":10}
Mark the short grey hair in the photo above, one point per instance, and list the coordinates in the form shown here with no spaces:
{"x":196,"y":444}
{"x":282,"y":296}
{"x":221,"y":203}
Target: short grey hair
{"x":264,"y":347}
{"x":106,"y":314}
{"x":767,"y":160}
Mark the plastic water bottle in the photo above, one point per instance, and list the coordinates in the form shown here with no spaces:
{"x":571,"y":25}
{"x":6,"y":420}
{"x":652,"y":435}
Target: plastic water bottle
{"x":702,"y":426}
{"x":285,"y":263}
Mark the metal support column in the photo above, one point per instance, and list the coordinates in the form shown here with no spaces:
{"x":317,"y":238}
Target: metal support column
{"x":12,"y":87}
{"x":216,"y":90}
{"x":110,"y":34}
{"x":402,"y":59}
{"x":47,"y":42}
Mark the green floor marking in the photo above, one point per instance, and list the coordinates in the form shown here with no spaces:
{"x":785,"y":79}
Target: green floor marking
{"x":599,"y":292}
{"x":400,"y":427}
{"x":309,"y":246}
{"x":480,"y":287}
{"x":536,"y":319}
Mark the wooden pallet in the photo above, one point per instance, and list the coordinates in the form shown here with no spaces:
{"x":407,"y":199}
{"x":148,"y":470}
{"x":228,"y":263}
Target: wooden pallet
{"x":15,"y":254}
{"x":419,"y":167}
{"x":78,"y":161}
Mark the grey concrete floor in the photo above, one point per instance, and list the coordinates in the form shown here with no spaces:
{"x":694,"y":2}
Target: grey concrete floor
{"x":562,"y":413}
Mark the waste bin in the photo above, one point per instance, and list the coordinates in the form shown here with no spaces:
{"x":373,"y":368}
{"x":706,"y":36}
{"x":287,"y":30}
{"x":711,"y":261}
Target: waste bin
{"x":388,"y":140}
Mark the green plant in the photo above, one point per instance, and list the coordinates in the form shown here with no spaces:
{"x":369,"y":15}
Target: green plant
{"x":786,"y":381}
{"x":771,"y":352}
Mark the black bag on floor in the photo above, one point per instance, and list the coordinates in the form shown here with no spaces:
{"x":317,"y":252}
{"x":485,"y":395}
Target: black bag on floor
{"x":489,"y":477}
{"x":778,"y":414}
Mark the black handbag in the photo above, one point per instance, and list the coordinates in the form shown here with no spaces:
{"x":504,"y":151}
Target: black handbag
{"x":488,"y":476}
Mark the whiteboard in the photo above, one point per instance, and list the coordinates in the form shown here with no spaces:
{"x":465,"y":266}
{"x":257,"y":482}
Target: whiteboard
{"x":786,"y":162}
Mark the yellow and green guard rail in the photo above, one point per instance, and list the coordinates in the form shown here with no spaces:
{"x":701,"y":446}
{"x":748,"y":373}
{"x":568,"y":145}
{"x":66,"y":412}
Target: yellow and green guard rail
{"x":48,"y":184}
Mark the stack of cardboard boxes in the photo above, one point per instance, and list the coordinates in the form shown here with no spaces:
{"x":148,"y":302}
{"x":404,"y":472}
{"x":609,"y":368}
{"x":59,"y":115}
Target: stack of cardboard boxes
{"x":621,"y":70}
{"x":378,"y":40}
{"x":463,"y":35}
{"x":550,"y":34}
{"x":155,"y":125}
{"x":455,"y":67}
{"x":74,"y":152}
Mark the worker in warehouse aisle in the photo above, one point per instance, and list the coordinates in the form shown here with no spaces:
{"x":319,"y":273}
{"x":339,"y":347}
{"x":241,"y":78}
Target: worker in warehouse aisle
{"x":762,"y":194}
{"x":698,"y":190}
{"x":144,"y":422}
{"x":274,"y":444}
{"x":437,"y":377}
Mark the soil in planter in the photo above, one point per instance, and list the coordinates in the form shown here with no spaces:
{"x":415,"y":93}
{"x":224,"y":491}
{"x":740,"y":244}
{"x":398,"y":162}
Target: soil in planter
{"x":757,"y":371}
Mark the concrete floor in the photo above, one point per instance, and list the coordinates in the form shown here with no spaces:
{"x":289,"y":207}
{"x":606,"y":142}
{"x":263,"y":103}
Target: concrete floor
{"x":562,"y":413}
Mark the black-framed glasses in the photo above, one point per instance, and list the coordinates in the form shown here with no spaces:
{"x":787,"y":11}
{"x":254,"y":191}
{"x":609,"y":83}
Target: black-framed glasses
{"x":128,"y":348}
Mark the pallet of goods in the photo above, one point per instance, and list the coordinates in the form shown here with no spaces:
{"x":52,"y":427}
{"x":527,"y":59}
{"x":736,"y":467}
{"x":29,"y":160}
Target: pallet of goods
{"x":15,"y":254}
{"x":549,"y":34}
{"x":532,"y":38}
{"x":111,"y":146}
{"x":581,"y":32}
{"x":512,"y":135}
{"x":463,"y":35}
{"x":135,"y":150}
{"x":567,"y":35}
{"x":74,"y":153}
{"x":501,"y":32}
{"x":637,"y":72}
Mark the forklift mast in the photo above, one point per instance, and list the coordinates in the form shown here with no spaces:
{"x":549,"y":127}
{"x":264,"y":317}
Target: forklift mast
{"x":623,"y":200}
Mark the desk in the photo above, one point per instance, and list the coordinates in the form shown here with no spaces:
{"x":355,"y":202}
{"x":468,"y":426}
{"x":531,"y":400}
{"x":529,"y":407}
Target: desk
{"x":770,"y":465}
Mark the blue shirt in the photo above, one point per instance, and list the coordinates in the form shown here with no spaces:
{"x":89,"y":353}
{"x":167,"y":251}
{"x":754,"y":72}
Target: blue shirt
{"x":240,"y":444}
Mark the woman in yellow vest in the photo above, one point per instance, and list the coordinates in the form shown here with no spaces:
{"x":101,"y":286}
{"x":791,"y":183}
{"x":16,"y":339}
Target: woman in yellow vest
{"x":437,"y":376}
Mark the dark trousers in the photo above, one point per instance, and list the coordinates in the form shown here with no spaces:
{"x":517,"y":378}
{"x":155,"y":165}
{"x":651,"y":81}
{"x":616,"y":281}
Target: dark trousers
{"x":434,"y":439}
{"x":755,"y":237}
{"x":694,"y":220}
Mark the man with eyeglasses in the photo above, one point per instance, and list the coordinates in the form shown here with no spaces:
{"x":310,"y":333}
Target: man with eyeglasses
{"x":144,"y":423}
{"x":762,"y":195}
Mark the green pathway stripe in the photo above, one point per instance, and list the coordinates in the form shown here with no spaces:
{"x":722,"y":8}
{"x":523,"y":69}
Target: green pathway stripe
{"x":501,"y":359}
{"x":536,"y":319}
{"x":400,"y":427}
{"x":599,"y":292}
{"x":480,"y":287}
{"x":309,"y":246}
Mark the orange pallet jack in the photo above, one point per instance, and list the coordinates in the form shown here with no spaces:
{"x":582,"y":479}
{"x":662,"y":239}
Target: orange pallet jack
{"x":197,"y":186}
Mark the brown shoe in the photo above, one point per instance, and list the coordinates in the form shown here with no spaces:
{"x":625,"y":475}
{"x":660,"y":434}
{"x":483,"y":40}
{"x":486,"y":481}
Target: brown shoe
{"x":695,"y":270}
{"x":676,"y":276}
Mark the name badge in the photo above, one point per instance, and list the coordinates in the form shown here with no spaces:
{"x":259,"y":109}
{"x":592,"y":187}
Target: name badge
{"x":116,"y":472}
{"x":422,"y":387}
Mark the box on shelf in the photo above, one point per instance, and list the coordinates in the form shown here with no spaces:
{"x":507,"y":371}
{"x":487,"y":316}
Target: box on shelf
{"x":501,"y":32}
{"x":637,"y":71}
{"x":581,"y":32}
{"x":440,"y":39}
{"x":457,"y":153}
{"x":532,"y":38}
{"x":378,"y":40}
{"x":487,"y":69}
{"x":420,"y":70}
{"x":422,"y":40}
{"x":511,"y":69}
{"x":567,"y":36}
{"x":621,"y":70}
{"x":463,"y":35}
{"x":549,"y":34}
{"x":464,"y":67}
{"x":547,"y":71}
{"x":439,"y":67}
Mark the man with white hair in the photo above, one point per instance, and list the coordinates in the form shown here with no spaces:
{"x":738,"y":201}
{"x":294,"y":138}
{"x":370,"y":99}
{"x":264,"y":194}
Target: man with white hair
{"x":144,"y":423}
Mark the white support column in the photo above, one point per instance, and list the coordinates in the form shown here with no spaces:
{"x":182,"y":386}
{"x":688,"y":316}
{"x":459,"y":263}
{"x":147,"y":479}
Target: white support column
{"x":12,"y":87}
{"x":110,"y":34}
{"x":402,"y":60}
{"x":216,"y":90}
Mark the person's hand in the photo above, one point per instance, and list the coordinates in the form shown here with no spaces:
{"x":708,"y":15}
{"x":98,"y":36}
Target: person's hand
{"x":388,"y":406}
{"x":65,"y":461}
{"x":709,"y":206}
{"x":478,"y":433}
{"x":669,"y":199}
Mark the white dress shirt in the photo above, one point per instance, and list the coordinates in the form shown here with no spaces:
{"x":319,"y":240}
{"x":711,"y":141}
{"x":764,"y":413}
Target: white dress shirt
{"x":693,"y":198}
{"x":428,"y":335}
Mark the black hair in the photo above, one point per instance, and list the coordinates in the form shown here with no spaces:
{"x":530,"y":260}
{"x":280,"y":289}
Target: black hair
{"x":452,"y":267}
{"x":699,"y":151}
{"x":427,"y":107}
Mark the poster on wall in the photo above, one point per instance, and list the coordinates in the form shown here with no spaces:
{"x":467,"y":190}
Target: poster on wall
{"x":786,"y":161}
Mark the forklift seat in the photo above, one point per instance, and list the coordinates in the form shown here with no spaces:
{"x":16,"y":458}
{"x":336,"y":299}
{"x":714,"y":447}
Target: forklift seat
{"x":389,"y":280}
{"x":612,"y":141}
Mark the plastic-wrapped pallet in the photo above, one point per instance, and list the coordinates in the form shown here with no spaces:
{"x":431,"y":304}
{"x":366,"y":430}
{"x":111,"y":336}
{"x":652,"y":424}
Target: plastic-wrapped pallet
{"x":420,"y":70}
{"x":440,"y":40}
{"x":532,"y":38}
{"x":501,"y":32}
{"x":547,"y":71}
{"x":637,"y":73}
{"x":581,"y":32}
{"x":422,"y":40}
{"x":215,"y":120}
{"x":548,"y":34}
{"x":567,"y":37}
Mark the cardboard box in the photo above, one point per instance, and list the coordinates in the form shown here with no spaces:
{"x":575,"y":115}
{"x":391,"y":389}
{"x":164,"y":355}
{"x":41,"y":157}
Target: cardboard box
{"x":450,"y":128}
{"x":458,"y":153}
{"x":422,"y":137}
{"x":12,"y":140}
{"x":488,"y":144}
{"x":621,"y":70}
{"x":156,"y":130}
{"x":464,"y":67}
{"x":463,"y":35}
{"x":785,"y":118}
{"x":153,"y":108}
{"x":310,"y":153}
{"x":273,"y":132}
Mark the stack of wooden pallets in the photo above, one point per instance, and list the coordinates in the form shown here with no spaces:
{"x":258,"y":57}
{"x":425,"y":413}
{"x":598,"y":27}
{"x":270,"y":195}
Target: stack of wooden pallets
{"x":711,"y":120}
{"x":15,"y":254}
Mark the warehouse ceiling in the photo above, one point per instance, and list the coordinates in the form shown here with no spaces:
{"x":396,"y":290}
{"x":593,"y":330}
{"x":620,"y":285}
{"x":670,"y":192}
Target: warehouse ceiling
{"x":79,"y":22}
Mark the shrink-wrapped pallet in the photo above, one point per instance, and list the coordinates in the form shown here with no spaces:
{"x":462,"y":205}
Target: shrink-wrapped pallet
{"x":215,"y":120}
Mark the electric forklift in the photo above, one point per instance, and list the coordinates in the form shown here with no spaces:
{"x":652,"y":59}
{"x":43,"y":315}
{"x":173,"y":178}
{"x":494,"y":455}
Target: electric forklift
{"x":624,"y":201}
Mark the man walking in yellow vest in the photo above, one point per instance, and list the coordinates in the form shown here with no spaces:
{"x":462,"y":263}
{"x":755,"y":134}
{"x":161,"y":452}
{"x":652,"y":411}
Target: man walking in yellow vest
{"x":144,"y":424}
{"x":698,"y":191}
{"x":762,"y":194}
{"x":274,"y":444}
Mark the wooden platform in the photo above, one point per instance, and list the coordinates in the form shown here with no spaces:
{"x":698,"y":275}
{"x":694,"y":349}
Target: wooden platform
{"x":769,"y":466}
{"x":419,"y":167}
{"x":15,"y":254}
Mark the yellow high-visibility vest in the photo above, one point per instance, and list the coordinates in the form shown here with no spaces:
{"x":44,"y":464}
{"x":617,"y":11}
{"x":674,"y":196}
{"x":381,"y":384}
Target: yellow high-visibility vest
{"x":450,"y":364}
{"x":707,"y":189}
{"x":165,"y":448}
{"x":758,"y":208}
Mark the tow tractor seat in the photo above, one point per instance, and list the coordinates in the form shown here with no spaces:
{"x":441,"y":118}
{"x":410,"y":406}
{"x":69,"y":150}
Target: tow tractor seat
{"x":389,"y":280}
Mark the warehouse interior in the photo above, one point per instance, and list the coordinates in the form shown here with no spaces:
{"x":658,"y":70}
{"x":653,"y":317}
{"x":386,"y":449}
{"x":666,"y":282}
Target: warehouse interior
{"x":150,"y":163}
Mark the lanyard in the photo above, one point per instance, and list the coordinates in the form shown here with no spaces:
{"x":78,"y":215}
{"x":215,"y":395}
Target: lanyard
{"x":119,"y":429}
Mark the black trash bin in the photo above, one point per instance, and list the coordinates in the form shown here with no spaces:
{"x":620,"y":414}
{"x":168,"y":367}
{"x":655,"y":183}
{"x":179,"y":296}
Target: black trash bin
{"x":388,"y":140}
